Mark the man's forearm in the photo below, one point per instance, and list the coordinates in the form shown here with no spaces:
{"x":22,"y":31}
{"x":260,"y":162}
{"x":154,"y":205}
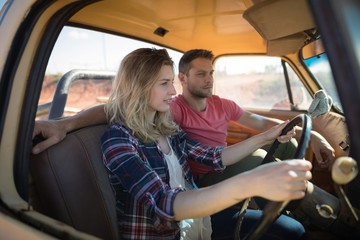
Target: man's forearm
{"x":88,"y":117}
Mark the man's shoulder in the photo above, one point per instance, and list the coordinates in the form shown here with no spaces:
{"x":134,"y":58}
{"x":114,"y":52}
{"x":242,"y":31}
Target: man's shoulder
{"x":226,"y":105}
{"x":218,"y":99}
{"x":215,"y":98}
{"x":177,"y":99}
{"x":178,"y":102}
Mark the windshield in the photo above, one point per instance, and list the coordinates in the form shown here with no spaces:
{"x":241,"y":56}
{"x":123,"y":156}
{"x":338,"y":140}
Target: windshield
{"x":320,"y":68}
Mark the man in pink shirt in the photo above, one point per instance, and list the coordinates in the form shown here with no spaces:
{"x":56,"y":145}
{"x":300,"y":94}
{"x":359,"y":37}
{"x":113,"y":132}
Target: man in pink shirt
{"x":201,"y":114}
{"x":205,"y":117}
{"x":210,"y":127}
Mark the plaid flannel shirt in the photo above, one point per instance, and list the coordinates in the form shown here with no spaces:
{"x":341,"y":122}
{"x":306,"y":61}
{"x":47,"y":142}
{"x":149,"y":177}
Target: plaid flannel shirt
{"x":140,"y":179}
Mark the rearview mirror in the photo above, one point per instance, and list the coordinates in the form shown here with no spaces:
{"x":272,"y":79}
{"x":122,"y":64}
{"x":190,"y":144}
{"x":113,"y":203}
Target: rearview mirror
{"x":312,"y":49}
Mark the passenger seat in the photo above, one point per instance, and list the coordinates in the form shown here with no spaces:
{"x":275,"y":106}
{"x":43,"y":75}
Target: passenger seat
{"x":71,"y":184}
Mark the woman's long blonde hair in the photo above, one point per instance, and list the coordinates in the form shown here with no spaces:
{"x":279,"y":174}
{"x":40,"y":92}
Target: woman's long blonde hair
{"x":129,"y":101}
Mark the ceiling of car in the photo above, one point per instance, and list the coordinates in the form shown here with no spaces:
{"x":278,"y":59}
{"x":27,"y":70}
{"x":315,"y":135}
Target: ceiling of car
{"x":273,"y":27}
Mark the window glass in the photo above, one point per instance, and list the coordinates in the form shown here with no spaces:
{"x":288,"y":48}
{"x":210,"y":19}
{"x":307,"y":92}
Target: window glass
{"x":320,"y":68}
{"x":82,"y":49}
{"x":301,"y":97}
{"x":2,"y":2}
{"x":259,"y":82}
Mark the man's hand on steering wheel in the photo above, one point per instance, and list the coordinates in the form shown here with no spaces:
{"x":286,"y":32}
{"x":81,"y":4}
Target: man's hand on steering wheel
{"x":275,"y":133}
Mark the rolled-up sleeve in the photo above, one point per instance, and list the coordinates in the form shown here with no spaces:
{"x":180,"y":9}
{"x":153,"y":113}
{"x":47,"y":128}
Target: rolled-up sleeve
{"x":210,"y":156}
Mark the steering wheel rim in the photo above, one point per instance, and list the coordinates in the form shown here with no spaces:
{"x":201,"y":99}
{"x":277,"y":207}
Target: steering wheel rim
{"x":272,"y":209}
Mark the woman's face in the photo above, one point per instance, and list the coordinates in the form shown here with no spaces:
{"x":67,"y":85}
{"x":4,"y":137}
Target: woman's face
{"x":163,"y":90}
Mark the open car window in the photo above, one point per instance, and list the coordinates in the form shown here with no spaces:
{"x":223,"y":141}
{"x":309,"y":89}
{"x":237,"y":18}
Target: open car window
{"x":260,"y":82}
{"x":320,"y":68}
{"x":81,"y":51}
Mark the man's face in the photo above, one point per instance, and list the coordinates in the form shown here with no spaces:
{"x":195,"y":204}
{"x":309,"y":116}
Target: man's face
{"x":199,"y":80}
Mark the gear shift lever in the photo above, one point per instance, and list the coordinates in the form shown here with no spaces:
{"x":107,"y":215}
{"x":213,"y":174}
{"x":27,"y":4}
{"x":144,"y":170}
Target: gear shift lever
{"x":344,"y":171}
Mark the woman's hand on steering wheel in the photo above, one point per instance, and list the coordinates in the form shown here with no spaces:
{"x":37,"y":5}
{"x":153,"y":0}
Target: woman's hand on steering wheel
{"x":273,"y":208}
{"x":282,"y":181}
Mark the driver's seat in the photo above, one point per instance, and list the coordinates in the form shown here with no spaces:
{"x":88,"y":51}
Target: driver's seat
{"x":70,"y":184}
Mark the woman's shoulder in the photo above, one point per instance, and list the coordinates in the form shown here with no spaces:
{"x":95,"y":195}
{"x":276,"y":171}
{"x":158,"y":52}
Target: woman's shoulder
{"x":116,"y":130}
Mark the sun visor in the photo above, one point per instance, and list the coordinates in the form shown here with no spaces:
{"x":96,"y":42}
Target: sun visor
{"x":286,"y":45}
{"x":275,"y":19}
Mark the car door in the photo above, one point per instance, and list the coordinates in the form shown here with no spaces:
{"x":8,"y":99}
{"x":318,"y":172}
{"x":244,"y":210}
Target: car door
{"x":343,"y":47}
{"x":28,"y":30}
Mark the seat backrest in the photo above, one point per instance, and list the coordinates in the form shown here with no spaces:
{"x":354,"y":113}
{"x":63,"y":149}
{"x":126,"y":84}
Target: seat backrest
{"x":70,"y":184}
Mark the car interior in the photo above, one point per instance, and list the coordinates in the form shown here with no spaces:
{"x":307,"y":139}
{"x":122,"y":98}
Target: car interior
{"x":69,"y":181}
{"x":68,"y":194}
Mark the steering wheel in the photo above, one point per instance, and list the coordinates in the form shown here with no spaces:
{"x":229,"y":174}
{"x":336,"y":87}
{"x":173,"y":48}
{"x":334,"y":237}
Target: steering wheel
{"x":272,"y":209}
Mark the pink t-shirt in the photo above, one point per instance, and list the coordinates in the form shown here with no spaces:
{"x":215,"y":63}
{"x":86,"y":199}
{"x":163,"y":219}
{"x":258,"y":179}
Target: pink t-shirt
{"x":208,"y":127}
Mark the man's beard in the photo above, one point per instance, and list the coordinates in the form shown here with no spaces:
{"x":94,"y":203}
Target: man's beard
{"x":199,"y":93}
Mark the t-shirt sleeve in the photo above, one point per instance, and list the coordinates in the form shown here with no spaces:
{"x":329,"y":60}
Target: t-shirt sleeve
{"x":232,"y":110}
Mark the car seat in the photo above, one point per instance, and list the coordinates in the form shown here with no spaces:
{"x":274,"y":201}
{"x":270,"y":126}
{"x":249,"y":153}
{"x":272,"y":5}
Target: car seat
{"x":71,"y":184}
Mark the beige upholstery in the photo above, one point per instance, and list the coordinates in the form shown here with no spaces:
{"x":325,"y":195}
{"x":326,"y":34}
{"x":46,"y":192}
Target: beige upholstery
{"x":71,"y":184}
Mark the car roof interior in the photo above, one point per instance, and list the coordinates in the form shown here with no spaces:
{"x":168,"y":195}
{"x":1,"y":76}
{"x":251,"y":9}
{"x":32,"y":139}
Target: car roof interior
{"x":214,"y":25}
